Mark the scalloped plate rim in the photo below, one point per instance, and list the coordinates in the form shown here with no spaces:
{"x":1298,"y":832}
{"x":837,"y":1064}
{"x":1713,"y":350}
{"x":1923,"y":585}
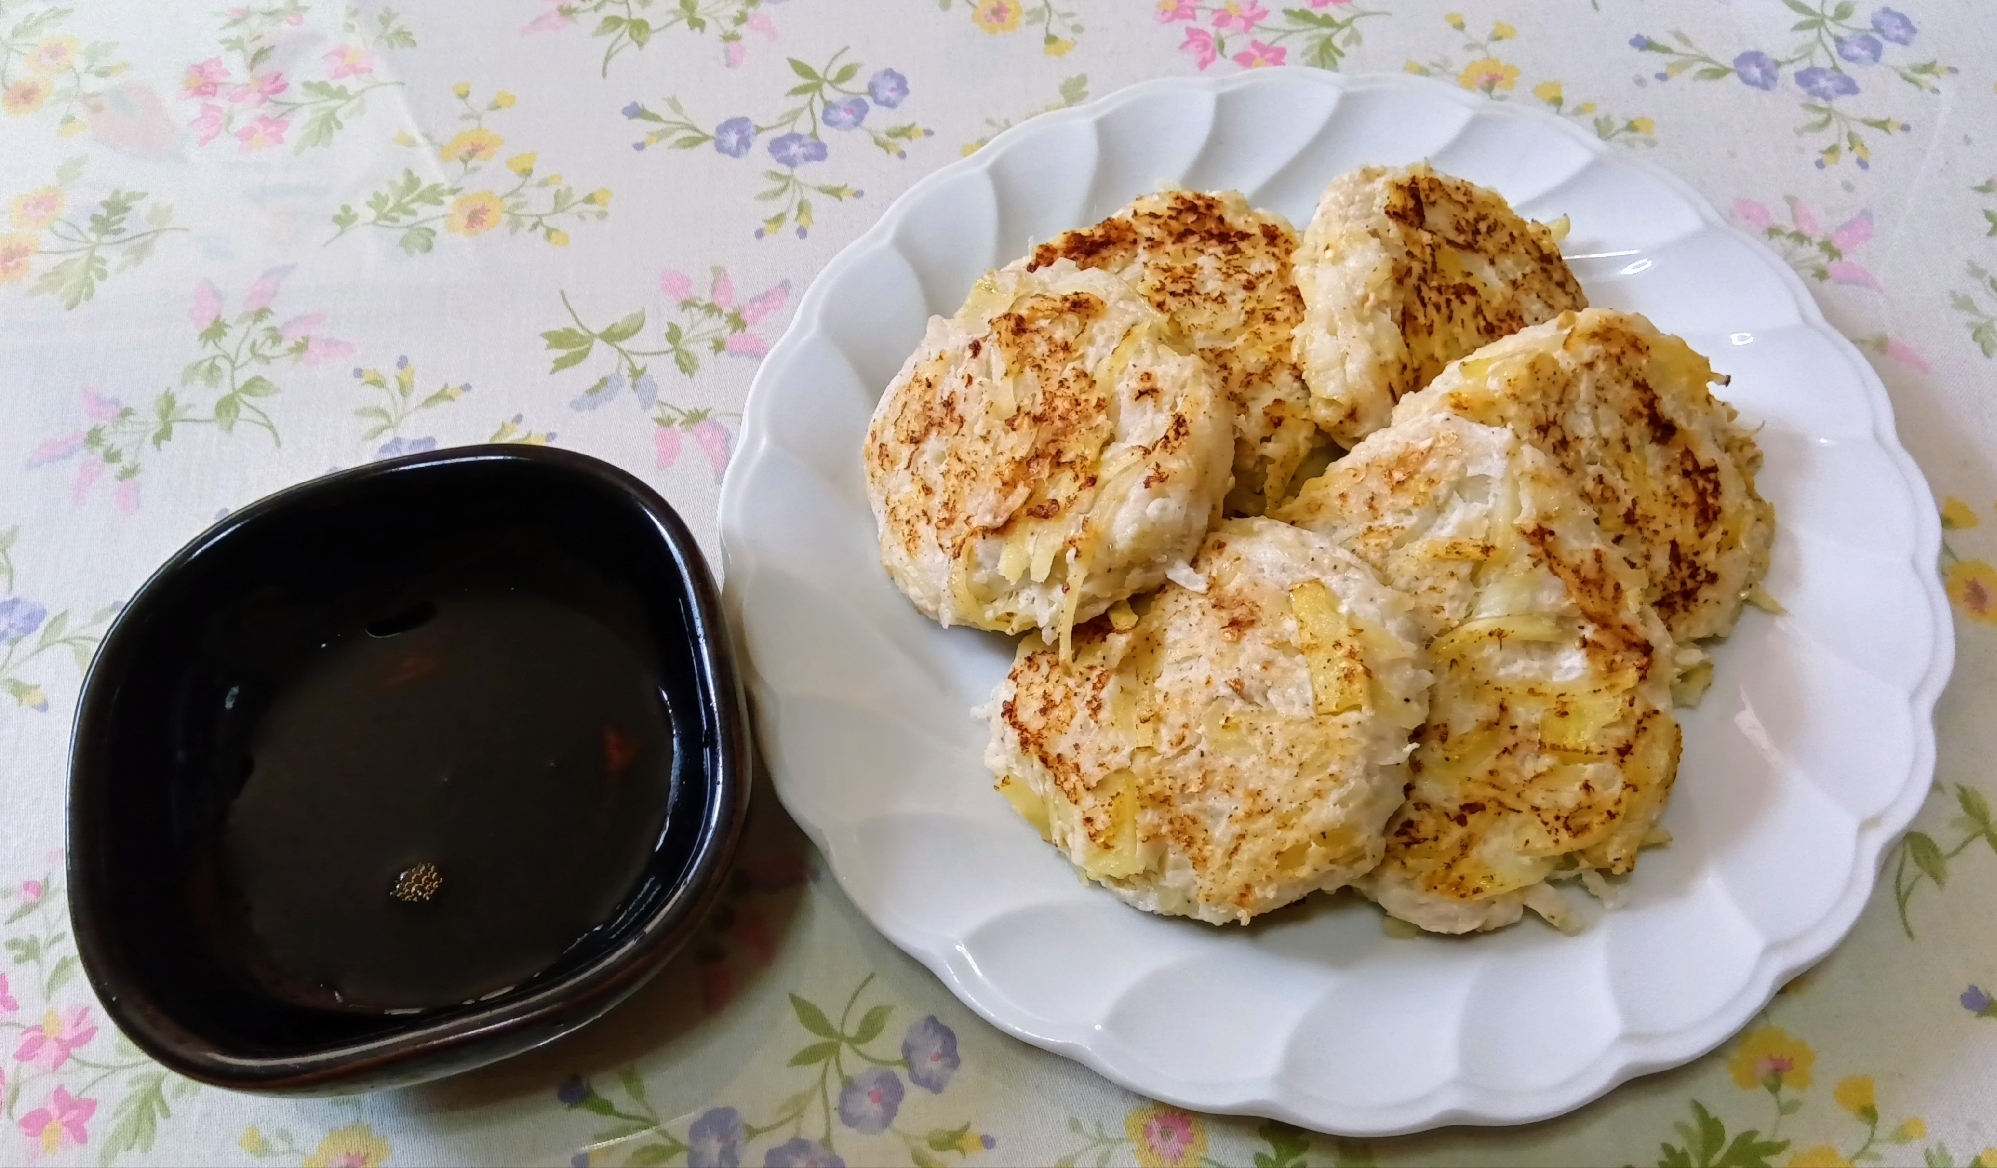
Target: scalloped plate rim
{"x":1452,"y":1101}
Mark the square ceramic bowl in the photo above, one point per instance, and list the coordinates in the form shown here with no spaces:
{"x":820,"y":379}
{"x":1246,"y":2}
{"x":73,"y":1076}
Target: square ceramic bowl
{"x":160,"y":754}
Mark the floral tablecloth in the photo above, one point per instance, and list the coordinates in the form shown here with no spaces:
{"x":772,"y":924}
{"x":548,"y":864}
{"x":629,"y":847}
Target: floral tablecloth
{"x":242,"y":246}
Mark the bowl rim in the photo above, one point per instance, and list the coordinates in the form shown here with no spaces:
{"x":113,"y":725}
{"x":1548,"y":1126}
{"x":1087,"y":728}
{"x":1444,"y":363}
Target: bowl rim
{"x":451,"y":1044}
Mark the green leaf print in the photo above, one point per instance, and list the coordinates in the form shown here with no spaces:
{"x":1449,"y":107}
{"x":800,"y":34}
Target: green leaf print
{"x":1705,"y":1145}
{"x":813,"y":1018}
{"x":135,"y":1121}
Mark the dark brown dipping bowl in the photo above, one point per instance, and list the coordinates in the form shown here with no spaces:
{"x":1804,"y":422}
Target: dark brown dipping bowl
{"x":159,"y":748}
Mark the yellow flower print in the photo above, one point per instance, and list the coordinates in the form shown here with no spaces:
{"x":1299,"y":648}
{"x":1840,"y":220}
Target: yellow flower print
{"x":1972,"y":584}
{"x":17,"y":255}
{"x":1455,"y":20}
{"x":996,"y":16}
{"x":1058,"y":47}
{"x":405,"y":138}
{"x":38,"y":208}
{"x":1957,"y":514}
{"x":1772,"y":1052}
{"x":1643,"y":125}
{"x":475,"y":214}
{"x":1503,"y":32}
{"x":1488,"y":74}
{"x":522,"y":164}
{"x":1855,"y":1094}
{"x":476,"y":143}
{"x":24,"y":96}
{"x":349,"y":1147}
{"x":599,"y":197}
{"x":503,"y":100}
{"x":1914,"y":1128}
{"x":1166,"y":1137}
{"x":462,"y":89}
{"x":1819,"y":1157}
{"x":1987,"y":1158}
{"x":1549,"y":92}
{"x":54,"y":55}
{"x":558,"y":237}
{"x":253,"y":1141}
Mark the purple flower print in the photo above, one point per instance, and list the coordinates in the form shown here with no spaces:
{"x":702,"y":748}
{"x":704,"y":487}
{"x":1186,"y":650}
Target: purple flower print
{"x":18,"y":618}
{"x":1639,"y":42}
{"x":868,"y":1102}
{"x":801,"y":1153}
{"x":846,"y":115}
{"x":1894,"y":26}
{"x":572,"y":1091}
{"x":1978,"y":1003}
{"x":647,"y":389}
{"x":794,"y":150}
{"x":1757,"y":68}
{"x":604,"y":391}
{"x":1825,"y":84}
{"x":1863,"y":49}
{"x":734,"y":137}
{"x":715,"y":1140}
{"x":399,"y":445}
{"x":931,"y":1051}
{"x":889,"y":88}
{"x":632,"y":110}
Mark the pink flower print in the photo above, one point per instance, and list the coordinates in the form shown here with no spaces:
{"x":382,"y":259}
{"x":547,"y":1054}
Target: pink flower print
{"x":301,"y":326}
{"x":264,"y":290}
{"x":319,"y":350}
{"x":713,"y":438}
{"x":733,"y":53}
{"x":86,"y":477}
{"x":238,"y":14}
{"x":1199,"y":42}
{"x":1258,"y":54}
{"x":553,"y":20}
{"x":767,"y":303}
{"x":1805,"y":219}
{"x":1753,"y":214}
{"x":746,"y":345}
{"x":7,"y":1003}
{"x":207,"y":304}
{"x":31,"y":891}
{"x":763,"y":26}
{"x":1234,"y":17}
{"x":676,"y":285}
{"x":265,"y":131}
{"x":260,"y":88}
{"x":126,"y":499}
{"x":722,"y":293}
{"x":57,"y":449}
{"x":349,"y":61}
{"x":99,"y":408}
{"x":1849,"y":272}
{"x":59,"y":1123}
{"x":1174,"y":11}
{"x":1900,"y":351}
{"x":666,"y":441}
{"x":1328,"y":3}
{"x":1853,"y":233}
{"x":204,"y":79}
{"x":209,"y":123}
{"x":51,"y":1043}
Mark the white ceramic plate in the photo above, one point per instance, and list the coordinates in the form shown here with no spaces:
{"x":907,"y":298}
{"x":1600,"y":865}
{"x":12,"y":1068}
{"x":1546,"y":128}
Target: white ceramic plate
{"x":1811,"y":753}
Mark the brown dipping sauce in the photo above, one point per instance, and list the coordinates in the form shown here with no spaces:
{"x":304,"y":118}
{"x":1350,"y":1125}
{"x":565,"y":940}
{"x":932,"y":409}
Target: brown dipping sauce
{"x":444,"y":801}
